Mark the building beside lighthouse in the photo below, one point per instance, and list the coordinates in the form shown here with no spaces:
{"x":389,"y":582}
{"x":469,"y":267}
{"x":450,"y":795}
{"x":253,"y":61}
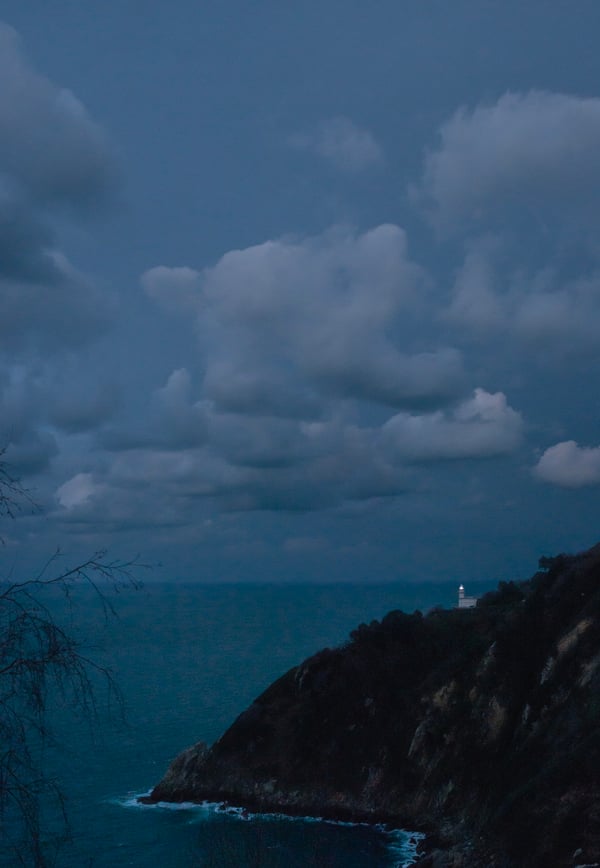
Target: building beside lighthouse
{"x":465,"y":602}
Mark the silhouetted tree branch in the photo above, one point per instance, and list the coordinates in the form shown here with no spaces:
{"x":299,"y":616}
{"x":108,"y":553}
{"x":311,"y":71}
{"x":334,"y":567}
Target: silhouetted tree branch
{"x":39,"y":656}
{"x":12,"y":494}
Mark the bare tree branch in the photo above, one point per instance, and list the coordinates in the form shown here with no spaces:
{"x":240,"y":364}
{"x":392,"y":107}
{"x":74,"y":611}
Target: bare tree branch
{"x":39,"y":656}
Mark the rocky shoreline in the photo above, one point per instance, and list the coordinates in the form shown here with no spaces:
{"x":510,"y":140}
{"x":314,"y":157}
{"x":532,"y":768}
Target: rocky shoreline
{"x":479,"y":727}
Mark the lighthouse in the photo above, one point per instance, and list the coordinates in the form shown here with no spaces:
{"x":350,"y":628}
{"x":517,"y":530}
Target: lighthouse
{"x":465,"y":602}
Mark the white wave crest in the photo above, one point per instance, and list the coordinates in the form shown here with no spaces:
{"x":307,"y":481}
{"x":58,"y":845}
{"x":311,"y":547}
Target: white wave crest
{"x":401,"y":844}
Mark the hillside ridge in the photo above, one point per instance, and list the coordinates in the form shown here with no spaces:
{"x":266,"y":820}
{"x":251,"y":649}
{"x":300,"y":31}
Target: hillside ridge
{"x":479,"y":726}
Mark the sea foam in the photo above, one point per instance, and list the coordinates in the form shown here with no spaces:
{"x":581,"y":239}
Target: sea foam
{"x":401,"y":844}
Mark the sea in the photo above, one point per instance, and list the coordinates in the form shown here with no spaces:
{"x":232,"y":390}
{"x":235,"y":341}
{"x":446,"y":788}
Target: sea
{"x":187,"y":659}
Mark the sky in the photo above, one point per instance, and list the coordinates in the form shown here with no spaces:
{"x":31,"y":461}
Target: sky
{"x":301,"y":292}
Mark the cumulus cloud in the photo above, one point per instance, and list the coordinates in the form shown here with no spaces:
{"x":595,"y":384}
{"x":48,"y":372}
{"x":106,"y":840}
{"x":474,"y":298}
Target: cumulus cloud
{"x":539,"y":149}
{"x":544,"y":309}
{"x":482,"y":426}
{"x":288,"y":323}
{"x":516,"y":182}
{"x":314,"y":389}
{"x":341,"y":143}
{"x":570,"y":466}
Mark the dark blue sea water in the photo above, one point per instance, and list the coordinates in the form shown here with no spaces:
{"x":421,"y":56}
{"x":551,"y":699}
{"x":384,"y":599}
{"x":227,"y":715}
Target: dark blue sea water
{"x":188,"y":659}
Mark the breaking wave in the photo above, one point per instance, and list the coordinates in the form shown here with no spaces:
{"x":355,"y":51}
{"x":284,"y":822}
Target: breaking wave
{"x":401,"y":844}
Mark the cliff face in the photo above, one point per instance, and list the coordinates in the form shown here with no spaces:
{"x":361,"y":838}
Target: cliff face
{"x":481,"y":726}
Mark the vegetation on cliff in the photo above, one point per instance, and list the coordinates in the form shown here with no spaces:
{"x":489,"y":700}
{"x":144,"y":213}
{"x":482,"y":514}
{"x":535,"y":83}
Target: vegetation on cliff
{"x":479,"y":725}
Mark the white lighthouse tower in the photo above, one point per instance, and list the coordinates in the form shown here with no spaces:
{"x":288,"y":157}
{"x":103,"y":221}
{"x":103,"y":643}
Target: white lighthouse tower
{"x":465,"y":602}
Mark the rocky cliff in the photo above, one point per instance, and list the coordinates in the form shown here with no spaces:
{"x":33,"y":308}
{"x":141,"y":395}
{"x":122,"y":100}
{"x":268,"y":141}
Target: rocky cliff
{"x":480,"y":726}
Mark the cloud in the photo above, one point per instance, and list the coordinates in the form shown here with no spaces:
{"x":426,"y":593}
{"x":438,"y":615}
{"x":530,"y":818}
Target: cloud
{"x":476,"y":303}
{"x":19,"y":400}
{"x":173,"y":288}
{"x":570,"y":466}
{"x":315,"y":387}
{"x":55,"y":164}
{"x":482,"y":426}
{"x":80,"y":406}
{"x":248,"y":462}
{"x":31,"y":452}
{"x":305,"y":545}
{"x":52,"y":155}
{"x":341,"y":143}
{"x":30,"y":446}
{"x":545,"y":309}
{"x":516,"y":183}
{"x":42,"y":400}
{"x":328,"y":313}
{"x":76,"y":491}
{"x":171,"y":419}
{"x":562,"y":313}
{"x":289,"y":324}
{"x":66,"y":311}
{"x":538,"y":149}
{"x":312,"y":471}
{"x":24,"y":240}
{"x":175,"y":419}
{"x":49,"y":147}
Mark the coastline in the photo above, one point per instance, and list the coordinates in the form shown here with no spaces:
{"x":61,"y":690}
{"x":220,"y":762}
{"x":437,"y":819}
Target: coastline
{"x":419,"y":842}
{"x":432,"y":847}
{"x":476,"y":726}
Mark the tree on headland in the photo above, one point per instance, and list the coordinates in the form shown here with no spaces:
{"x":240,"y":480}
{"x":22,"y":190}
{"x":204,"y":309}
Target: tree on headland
{"x":40,"y":658}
